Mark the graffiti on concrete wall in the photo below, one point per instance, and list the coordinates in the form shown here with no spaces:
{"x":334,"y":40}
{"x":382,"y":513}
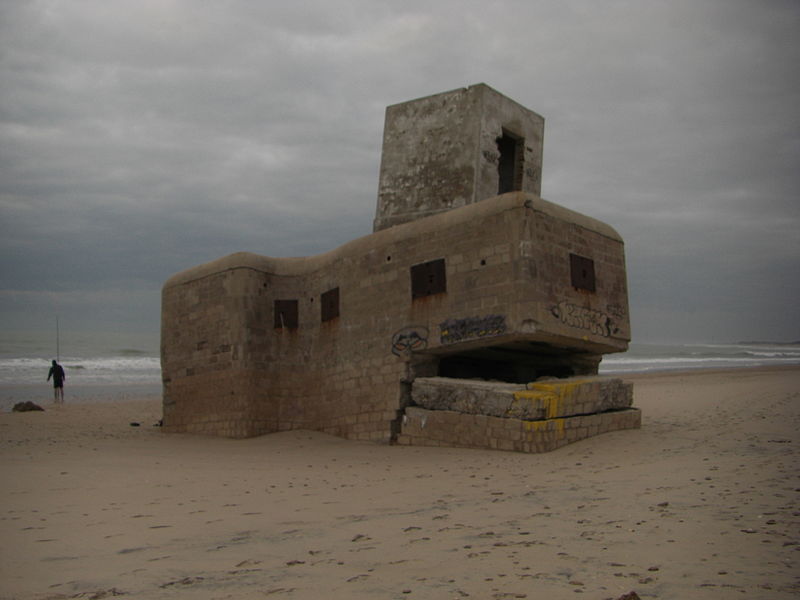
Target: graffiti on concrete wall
{"x":408,"y":339}
{"x":595,"y":321}
{"x":616,"y":310}
{"x":456,"y":330}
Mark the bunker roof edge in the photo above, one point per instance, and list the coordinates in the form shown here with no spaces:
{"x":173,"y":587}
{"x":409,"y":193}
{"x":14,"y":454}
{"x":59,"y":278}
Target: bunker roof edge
{"x":465,"y":88}
{"x":430,"y":224}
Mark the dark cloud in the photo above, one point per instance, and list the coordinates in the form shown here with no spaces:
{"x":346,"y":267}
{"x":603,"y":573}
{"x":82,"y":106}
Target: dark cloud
{"x":141,"y":138}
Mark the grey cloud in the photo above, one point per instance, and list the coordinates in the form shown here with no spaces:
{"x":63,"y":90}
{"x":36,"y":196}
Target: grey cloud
{"x":138,"y":139}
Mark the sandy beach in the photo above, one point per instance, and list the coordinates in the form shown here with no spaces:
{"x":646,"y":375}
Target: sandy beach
{"x":701,"y":502}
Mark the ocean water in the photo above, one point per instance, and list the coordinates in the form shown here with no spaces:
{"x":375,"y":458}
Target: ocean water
{"x":87,"y":358}
{"x":101,"y":366}
{"x":98,"y":366}
{"x":642,"y":358}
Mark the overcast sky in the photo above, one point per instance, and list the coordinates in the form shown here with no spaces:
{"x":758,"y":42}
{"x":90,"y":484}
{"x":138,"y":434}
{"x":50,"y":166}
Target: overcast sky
{"x":139,"y":138}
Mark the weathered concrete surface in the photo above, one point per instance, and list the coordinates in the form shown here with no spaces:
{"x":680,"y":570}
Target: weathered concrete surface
{"x":533,"y":401}
{"x":228,"y":370}
{"x":441,"y":152}
{"x":465,"y":396}
{"x":423,"y":427}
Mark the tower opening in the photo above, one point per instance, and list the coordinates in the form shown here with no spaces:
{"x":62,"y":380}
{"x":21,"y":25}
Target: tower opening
{"x":509,"y":165}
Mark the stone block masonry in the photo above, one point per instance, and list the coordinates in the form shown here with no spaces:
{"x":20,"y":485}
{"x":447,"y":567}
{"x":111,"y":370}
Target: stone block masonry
{"x":247,"y":348}
{"x":455,"y":148}
{"x":533,"y":401}
{"x":422,"y":427}
{"x":536,"y":417}
{"x":469,"y":274}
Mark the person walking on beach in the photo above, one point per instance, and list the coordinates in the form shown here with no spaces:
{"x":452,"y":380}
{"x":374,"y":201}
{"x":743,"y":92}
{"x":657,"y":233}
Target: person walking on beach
{"x":58,"y":375}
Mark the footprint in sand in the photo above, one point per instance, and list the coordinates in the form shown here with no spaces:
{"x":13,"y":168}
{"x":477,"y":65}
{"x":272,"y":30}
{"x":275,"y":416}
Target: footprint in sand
{"x":184,"y":581}
{"x":131,"y":550}
{"x":249,"y":562}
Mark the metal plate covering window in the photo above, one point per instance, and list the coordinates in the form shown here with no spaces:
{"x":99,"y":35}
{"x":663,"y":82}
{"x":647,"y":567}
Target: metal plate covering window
{"x":428,"y":278}
{"x":582,"y":271}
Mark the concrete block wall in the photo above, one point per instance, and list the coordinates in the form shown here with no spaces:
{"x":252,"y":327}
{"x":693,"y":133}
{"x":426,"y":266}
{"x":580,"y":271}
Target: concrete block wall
{"x":321,"y":375}
{"x":600,"y":314}
{"x":206,"y":338}
{"x":228,"y":371}
{"x":533,"y":401}
{"x":441,"y":152}
{"x":422,"y":427}
{"x":458,"y":276}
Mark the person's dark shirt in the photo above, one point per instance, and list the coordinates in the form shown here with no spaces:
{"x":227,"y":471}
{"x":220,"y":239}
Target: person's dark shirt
{"x":57,"y":373}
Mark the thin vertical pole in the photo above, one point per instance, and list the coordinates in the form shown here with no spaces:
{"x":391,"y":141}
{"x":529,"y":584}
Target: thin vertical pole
{"x":58,"y":342}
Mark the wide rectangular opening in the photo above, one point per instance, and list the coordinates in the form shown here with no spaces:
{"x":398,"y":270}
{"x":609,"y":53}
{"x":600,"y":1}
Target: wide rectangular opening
{"x":470,"y":366}
{"x":516,"y":363}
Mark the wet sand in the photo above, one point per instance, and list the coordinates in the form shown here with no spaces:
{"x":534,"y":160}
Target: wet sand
{"x":702,"y":502}
{"x":81,"y":393}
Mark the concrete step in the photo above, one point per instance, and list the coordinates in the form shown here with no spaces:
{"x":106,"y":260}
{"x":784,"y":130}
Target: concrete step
{"x":539,"y":400}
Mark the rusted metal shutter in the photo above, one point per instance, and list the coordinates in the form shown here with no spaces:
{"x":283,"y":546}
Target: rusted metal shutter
{"x":428,"y":278}
{"x":582,"y":270}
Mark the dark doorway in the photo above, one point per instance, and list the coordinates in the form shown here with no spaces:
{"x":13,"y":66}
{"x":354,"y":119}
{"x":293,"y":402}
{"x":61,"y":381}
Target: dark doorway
{"x":509,"y":166}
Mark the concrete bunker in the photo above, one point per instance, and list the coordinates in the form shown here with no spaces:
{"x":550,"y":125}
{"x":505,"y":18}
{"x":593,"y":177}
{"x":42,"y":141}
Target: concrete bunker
{"x":466,"y":318}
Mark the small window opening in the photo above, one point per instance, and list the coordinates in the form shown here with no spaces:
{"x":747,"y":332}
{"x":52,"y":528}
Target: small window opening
{"x":286,"y":314}
{"x":510,"y":165}
{"x":428,"y":278}
{"x":582,"y":272}
{"x":329,"y":304}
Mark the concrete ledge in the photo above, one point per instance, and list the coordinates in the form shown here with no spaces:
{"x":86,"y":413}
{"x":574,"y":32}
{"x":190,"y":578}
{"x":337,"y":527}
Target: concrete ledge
{"x":422,"y":427}
{"x":427,"y":226}
{"x":533,"y":401}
